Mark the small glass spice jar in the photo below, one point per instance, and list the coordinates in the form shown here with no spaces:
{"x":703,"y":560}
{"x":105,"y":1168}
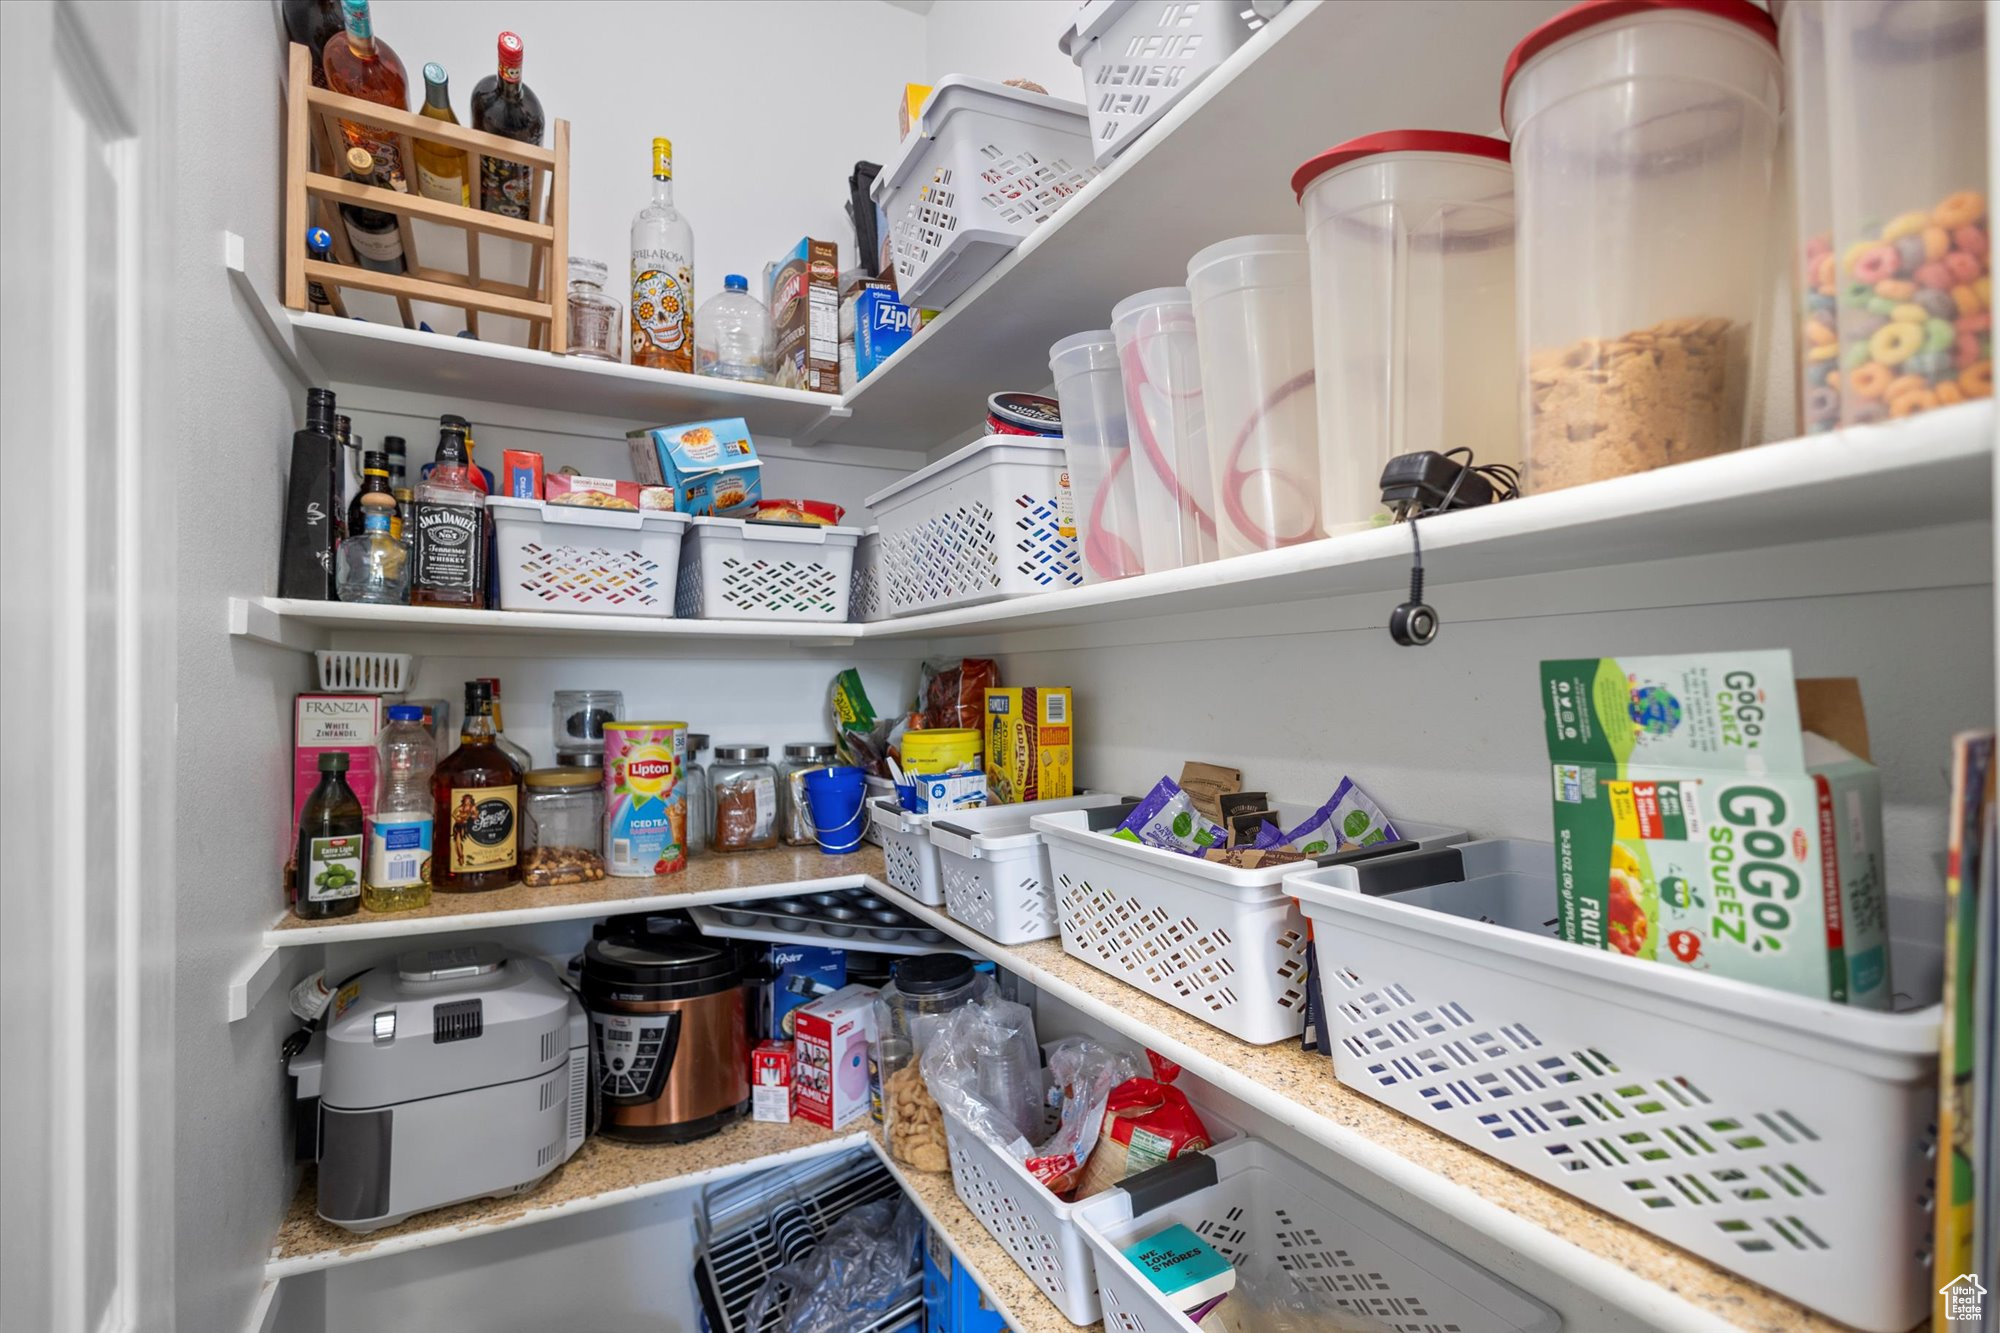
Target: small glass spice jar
{"x":743,"y":804}
{"x":694,"y":780}
{"x":562,"y":824}
{"x":593,"y":317}
{"x":795,"y":823}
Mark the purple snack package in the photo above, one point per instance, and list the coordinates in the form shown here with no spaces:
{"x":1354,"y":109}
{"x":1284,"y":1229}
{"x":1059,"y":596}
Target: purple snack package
{"x":1168,"y":820}
{"x":1348,"y":819}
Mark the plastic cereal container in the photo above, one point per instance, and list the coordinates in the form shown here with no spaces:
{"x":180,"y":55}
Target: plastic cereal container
{"x":1411,"y":237}
{"x":1253,"y":324}
{"x":1889,"y":150}
{"x":1644,"y":137}
{"x":1085,"y":370}
{"x":1161,"y":366}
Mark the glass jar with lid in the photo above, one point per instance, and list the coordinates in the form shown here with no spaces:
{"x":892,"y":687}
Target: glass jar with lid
{"x":562,"y":825}
{"x":795,"y":824}
{"x":923,"y":990}
{"x":593,"y":317}
{"x":743,"y":799}
{"x":578,"y":722}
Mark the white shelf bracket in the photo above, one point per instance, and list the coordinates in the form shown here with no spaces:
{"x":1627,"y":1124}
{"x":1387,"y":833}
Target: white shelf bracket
{"x":270,"y":315}
{"x":250,"y":985}
{"x":250,"y":618}
{"x":823,"y":427}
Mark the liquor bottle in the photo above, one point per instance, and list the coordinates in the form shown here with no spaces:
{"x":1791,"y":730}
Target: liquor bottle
{"x":481,"y":478}
{"x":363,"y":67}
{"x":517,"y":753}
{"x":327,"y":869}
{"x":312,"y":502}
{"x":399,"y":464}
{"x":319,"y":249}
{"x":441,"y":172}
{"x":375,"y":479}
{"x":662,"y":275}
{"x":346,"y":442}
{"x":451,"y":535}
{"x":400,"y":832}
{"x":476,"y":806}
{"x":376,"y":236}
{"x":374,"y":567}
{"x":312,"y":23}
{"x":503,"y":105}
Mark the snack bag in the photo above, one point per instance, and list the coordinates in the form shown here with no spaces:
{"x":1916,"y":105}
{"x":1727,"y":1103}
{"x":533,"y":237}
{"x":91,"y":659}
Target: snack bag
{"x":854,"y":725}
{"x":1147,"y":1121}
{"x":1348,"y":819}
{"x":953,"y":694}
{"x":1167,"y":819}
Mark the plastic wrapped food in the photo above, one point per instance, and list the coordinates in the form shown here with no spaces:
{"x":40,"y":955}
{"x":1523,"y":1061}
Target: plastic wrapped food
{"x":1348,"y":819}
{"x":860,"y":738}
{"x":1167,"y":818}
{"x":953,"y":694}
{"x":1147,"y":1122}
{"x":851,"y":1279}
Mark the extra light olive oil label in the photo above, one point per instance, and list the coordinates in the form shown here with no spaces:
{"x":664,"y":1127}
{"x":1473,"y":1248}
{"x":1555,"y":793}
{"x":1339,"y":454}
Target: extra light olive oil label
{"x":485,"y":823}
{"x":332,"y":870}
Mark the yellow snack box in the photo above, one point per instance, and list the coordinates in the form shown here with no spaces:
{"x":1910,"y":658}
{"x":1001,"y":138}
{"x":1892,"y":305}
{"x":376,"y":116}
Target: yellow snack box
{"x":911,"y":106}
{"x":1029,"y":756}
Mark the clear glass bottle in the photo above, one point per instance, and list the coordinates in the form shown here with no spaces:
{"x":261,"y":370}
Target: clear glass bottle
{"x":695,"y":778}
{"x":441,"y":171}
{"x":593,"y":316}
{"x":503,"y":105}
{"x":398,"y":876}
{"x":361,"y":65}
{"x":743,"y":811}
{"x":563,"y":827}
{"x":662,"y":307}
{"x":518,"y":753}
{"x":450,"y":514}
{"x":795,"y":823}
{"x":374,"y":567}
{"x":732,"y":334}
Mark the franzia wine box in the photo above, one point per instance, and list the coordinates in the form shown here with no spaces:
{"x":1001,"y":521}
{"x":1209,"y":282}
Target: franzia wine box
{"x":1714,"y":813}
{"x":324,"y":722}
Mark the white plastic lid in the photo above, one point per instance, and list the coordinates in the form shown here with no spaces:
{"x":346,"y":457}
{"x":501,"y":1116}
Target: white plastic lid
{"x":1246,"y":261}
{"x":1150,"y":300}
{"x":1083,"y":352}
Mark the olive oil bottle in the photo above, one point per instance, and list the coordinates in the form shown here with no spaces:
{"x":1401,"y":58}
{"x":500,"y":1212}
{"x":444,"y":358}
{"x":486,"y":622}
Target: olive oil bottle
{"x":327,"y":875}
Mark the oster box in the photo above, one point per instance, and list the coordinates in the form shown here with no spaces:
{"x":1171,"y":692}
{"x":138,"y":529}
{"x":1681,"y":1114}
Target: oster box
{"x":830,"y":1041}
{"x":322,"y":722}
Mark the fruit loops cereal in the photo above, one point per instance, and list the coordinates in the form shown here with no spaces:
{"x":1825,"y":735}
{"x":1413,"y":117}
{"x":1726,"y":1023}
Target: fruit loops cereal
{"x":1604,"y":407}
{"x":1902,"y":322}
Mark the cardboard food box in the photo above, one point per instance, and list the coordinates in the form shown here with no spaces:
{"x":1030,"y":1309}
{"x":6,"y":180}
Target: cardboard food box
{"x":801,"y":973}
{"x":520,"y":474}
{"x":882,"y":324}
{"x":1029,"y":755}
{"x":322,"y":722}
{"x":830,"y":1042}
{"x":1711,"y":812}
{"x":910,"y":107}
{"x":805,"y":317}
{"x":771,"y":1082}
{"x":567,"y":488}
{"x":711,"y":466}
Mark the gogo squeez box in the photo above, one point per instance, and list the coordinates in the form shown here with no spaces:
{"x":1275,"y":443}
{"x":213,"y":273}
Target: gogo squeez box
{"x":1696,"y":825}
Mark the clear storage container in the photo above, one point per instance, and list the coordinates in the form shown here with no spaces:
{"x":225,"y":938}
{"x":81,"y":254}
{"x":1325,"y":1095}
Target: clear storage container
{"x":743,"y":799}
{"x":1253,"y":324}
{"x":1161,"y":368}
{"x":1888,"y":126}
{"x":1085,"y":369}
{"x":578,"y":721}
{"x":795,"y":825}
{"x":923,"y":989}
{"x":562,"y":826}
{"x":695,"y":779}
{"x":1644,"y":139}
{"x":1411,"y":237}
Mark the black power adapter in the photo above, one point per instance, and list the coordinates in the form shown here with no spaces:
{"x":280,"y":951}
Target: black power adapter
{"x":1420,"y":485}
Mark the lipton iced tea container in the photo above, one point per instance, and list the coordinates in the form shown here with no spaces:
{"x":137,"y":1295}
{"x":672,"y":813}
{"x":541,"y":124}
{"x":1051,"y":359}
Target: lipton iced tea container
{"x":645,"y":808}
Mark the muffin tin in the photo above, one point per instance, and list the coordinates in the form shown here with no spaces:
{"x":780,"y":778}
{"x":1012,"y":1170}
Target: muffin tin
{"x":851,"y":917}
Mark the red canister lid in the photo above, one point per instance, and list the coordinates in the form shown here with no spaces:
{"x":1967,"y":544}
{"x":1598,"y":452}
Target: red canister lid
{"x":1578,"y":18}
{"x":1397,"y":141}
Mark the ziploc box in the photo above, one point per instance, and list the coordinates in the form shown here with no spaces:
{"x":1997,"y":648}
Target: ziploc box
{"x":830,"y":1042}
{"x":882,"y":324}
{"x":1713,"y":813}
{"x":712,"y":465}
{"x":1029,"y":756}
{"x":801,"y":973}
{"x":323,"y":722}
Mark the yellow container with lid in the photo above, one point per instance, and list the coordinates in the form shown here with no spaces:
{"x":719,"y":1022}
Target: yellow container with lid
{"x":940,"y":749}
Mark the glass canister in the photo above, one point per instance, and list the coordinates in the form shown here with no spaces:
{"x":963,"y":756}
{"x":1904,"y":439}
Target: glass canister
{"x":1160,"y":365}
{"x":795,"y":824}
{"x":743,"y":799}
{"x":1085,"y":370}
{"x":1253,"y":324}
{"x":562,"y":825}
{"x":1644,"y":142}
{"x":1411,"y":238}
{"x":696,"y":778}
{"x":1888,"y":136}
{"x":578,"y":719}
{"x":594,"y":326}
{"x":922,"y":990}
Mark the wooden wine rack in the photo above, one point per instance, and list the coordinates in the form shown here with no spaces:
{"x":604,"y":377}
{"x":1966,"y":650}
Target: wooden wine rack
{"x":313,"y":198}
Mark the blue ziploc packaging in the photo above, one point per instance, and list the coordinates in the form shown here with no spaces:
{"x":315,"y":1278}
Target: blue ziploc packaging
{"x":882,"y":324}
{"x":1167,"y":819}
{"x":1348,"y":819}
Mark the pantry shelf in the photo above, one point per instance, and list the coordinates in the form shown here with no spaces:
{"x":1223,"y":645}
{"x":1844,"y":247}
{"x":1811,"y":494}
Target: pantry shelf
{"x":707,"y":879}
{"x":307,"y":625}
{"x":1627,"y":1268}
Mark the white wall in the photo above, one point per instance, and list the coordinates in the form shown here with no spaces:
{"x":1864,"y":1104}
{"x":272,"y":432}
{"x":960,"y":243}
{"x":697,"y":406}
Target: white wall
{"x":1002,"y":39}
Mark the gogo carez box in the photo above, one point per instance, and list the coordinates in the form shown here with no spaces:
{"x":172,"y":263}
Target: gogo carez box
{"x":712,"y":466}
{"x":1713,"y":813}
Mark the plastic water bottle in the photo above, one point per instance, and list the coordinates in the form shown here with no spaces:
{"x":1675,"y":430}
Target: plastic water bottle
{"x":732,"y":334}
{"x":397,"y":877}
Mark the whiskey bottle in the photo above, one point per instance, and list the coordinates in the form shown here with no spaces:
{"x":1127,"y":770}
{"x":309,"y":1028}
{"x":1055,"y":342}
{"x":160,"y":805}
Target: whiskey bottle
{"x":476,"y":806}
{"x":518,"y":753}
{"x":451,"y":534}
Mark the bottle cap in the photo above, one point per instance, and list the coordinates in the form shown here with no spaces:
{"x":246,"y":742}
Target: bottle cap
{"x":452,"y":419}
{"x":319,"y":240}
{"x":663,"y":158}
{"x":361,"y":162}
{"x":477,"y":694}
{"x":375,"y":460}
{"x":735,"y":282}
{"x":319,"y":400}
{"x":406,"y":712}
{"x":451,"y":444}
{"x":594,"y":271}
{"x":333,"y":761}
{"x":393,"y":445}
{"x":434,"y":73}
{"x":510,"y":56}
{"x":493,"y":684}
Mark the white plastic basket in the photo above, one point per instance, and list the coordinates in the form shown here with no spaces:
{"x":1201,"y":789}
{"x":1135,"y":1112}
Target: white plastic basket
{"x":345,"y":671}
{"x":1139,"y":57}
{"x":984,"y":166}
{"x":995,"y":868}
{"x":1037,"y":1229}
{"x":1782,"y":1138}
{"x":864,"y":600}
{"x":603,"y":562}
{"x":1223,"y":944}
{"x":733,"y":570}
{"x":982,"y":523}
{"x":875,"y":787}
{"x":1252,"y":1202}
{"x":910,"y":862}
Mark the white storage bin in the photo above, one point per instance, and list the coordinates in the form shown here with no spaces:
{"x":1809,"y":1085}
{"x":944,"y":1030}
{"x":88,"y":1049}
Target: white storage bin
{"x":348,"y":671}
{"x":605,"y":562}
{"x":1139,"y":57}
{"x":875,"y":787}
{"x":864,"y":600}
{"x":1037,"y":1229}
{"x":982,"y":523}
{"x":983,"y":166}
{"x":1785,"y":1139}
{"x":1224,"y":944}
{"x":1252,"y":1202}
{"x":910,"y":862}
{"x":995,"y":868}
{"x":733,"y":570}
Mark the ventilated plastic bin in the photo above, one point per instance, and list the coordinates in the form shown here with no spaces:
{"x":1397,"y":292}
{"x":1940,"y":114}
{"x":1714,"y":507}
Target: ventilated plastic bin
{"x":1782,"y":1138}
{"x":910,"y":862}
{"x":734,"y":570}
{"x":864,"y":598}
{"x":1139,"y":57}
{"x":995,"y":868}
{"x":1037,"y":1229}
{"x":349,"y":671}
{"x":604,"y":562}
{"x":984,"y":166}
{"x":982,"y":523}
{"x":1254,"y":1203}
{"x":1223,"y":944}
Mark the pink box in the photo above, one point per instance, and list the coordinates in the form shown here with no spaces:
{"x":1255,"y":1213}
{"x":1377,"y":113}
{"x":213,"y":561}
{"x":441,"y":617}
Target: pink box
{"x":325,"y":722}
{"x":830,"y":1041}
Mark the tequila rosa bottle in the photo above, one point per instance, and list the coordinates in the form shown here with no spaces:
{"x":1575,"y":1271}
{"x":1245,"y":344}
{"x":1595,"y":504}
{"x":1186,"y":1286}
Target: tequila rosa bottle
{"x":662,"y":275}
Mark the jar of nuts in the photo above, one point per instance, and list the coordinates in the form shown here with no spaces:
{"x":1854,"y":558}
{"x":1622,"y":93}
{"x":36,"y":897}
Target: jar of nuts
{"x":923,"y":989}
{"x":562,"y":822}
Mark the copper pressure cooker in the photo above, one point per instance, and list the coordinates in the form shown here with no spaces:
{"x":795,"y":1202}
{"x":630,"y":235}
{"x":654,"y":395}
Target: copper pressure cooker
{"x":667,"y":1020}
